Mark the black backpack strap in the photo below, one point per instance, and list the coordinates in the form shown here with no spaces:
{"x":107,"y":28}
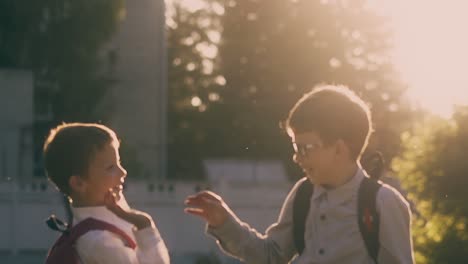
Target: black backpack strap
{"x":368,"y":217}
{"x":373,"y":164}
{"x":301,"y":207}
{"x":56,"y":224}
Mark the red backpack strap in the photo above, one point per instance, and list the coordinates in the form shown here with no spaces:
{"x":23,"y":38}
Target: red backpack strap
{"x":90,"y":224}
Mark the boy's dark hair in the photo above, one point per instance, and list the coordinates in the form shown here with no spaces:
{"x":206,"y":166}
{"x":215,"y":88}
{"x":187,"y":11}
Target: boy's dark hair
{"x":333,"y":112}
{"x":69,"y":149}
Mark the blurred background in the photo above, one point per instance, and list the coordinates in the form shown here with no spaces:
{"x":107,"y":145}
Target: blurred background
{"x":197,"y":89}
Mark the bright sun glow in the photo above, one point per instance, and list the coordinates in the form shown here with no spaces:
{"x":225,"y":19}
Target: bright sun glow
{"x":431,"y":50}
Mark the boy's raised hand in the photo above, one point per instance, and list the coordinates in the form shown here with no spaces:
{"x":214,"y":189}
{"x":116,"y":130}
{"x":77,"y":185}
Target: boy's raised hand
{"x":139,"y":219}
{"x":208,"y":206}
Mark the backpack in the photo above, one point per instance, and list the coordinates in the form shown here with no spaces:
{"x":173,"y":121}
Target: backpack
{"x":63,"y":250}
{"x":368,"y":218}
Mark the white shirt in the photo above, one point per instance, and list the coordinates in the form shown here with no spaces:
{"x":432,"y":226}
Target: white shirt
{"x":332,"y":233}
{"x":100,"y":247}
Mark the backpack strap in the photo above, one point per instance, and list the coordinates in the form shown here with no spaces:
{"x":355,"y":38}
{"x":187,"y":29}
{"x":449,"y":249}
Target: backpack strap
{"x":90,"y":224}
{"x":57,"y":225}
{"x":368,"y":218}
{"x":301,"y":206}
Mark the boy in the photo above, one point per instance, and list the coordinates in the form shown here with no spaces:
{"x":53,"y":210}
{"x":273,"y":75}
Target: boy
{"x":83,"y":161}
{"x":329,"y":128}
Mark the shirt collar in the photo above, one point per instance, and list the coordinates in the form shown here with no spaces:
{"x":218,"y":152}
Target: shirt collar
{"x":342,"y":193}
{"x":103,"y":214}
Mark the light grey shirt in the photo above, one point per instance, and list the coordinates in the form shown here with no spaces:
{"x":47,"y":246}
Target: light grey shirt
{"x":331,"y":233}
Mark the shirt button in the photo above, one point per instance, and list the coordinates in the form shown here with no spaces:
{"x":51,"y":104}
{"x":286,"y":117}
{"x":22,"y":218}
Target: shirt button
{"x":321,"y":251}
{"x":323,"y":217}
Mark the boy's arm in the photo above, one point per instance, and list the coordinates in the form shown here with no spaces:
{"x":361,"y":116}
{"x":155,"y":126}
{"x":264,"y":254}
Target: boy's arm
{"x":396,"y":245}
{"x":238,"y":239}
{"x":150,"y":246}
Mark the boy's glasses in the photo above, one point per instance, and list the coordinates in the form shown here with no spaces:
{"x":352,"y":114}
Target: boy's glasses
{"x":303,"y":149}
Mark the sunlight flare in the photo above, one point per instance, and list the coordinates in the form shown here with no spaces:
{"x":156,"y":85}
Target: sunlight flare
{"x":430,"y":50}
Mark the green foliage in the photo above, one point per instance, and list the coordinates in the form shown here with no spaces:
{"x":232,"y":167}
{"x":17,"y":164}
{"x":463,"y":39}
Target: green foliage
{"x":60,"y":42}
{"x":194,"y":84}
{"x":270,"y":53}
{"x":433,"y":169}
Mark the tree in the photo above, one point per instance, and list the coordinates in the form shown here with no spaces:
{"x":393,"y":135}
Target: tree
{"x":270,"y":53}
{"x":193,"y":84}
{"x":433,"y":169}
{"x":61,"y":42}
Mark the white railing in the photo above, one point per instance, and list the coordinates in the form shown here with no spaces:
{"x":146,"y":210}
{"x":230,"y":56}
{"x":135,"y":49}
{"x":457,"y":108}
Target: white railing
{"x":25,"y":207}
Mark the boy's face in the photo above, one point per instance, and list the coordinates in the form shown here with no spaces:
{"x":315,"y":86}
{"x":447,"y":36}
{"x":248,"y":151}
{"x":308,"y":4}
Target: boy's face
{"x":317,"y":159}
{"x":105,"y":172}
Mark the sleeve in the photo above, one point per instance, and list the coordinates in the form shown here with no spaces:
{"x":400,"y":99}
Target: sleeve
{"x":276,"y":246}
{"x":396,"y":246}
{"x":101,"y":247}
{"x":151,"y":247}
